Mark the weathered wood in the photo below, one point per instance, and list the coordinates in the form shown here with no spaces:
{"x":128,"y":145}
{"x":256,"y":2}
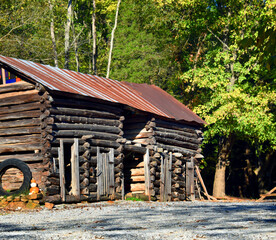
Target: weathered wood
{"x":103,"y":143}
{"x":175,"y":126}
{"x":190,"y":180}
{"x":20,"y":123}
{"x":82,"y":112}
{"x":30,"y":157}
{"x":111,"y":172}
{"x":137,"y":172}
{"x":85,"y":104}
{"x":20,"y":139}
{"x":20,"y":115}
{"x":187,"y":152}
{"x":15,"y":87}
{"x":32,"y":146}
{"x":137,"y":178}
{"x":80,"y":133}
{"x":137,"y":187}
{"x":61,"y":171}
{"x":99,"y":174}
{"x":202,"y":182}
{"x":136,"y":126}
{"x":178,"y":132}
{"x":169,"y":141}
{"x":175,"y":136}
{"x":20,"y":108}
{"x":145,"y":141}
{"x":19,"y":131}
{"x":89,"y":127}
{"x":87,"y":120}
{"x":75,"y":169}
{"x":19,"y":98}
{"x":136,"y":149}
{"x":147,"y":174}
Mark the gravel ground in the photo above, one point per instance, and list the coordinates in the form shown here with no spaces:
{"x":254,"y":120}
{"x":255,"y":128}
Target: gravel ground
{"x":144,"y":220}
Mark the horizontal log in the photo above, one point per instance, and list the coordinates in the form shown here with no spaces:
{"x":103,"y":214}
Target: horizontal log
{"x":178,"y":137}
{"x":139,"y":135}
{"x":137,"y":187}
{"x":20,"y":139}
{"x":175,"y":126}
{"x":20,"y":108}
{"x":102,"y":143}
{"x":15,"y":87}
{"x":89,"y":127}
{"x":20,"y":115}
{"x":81,"y":133}
{"x":87,"y":120}
{"x":92,"y":187}
{"x":19,"y":131}
{"x":32,"y":146}
{"x":136,"y":149}
{"x":137,"y":172}
{"x":85,"y":104}
{"x":19,"y":98}
{"x":52,"y":190}
{"x":31,"y":157}
{"x":184,"y":151}
{"x":138,"y":126}
{"x":169,"y":141}
{"x":82,"y":112}
{"x":145,"y":141}
{"x":178,"y":132}
{"x":20,"y":123}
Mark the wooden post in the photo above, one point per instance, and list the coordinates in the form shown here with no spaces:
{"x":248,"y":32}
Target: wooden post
{"x":99,"y":174}
{"x":123,"y":186}
{"x":162,"y":182}
{"x":75,"y":168}
{"x":190,"y":183}
{"x":169,"y":178}
{"x":147,"y":174}
{"x":202,"y":183}
{"x":61,"y":170}
{"x":111,"y":173}
{"x":3,"y":76}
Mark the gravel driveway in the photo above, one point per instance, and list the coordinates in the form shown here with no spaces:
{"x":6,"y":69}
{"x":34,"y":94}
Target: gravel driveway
{"x":143,"y":220}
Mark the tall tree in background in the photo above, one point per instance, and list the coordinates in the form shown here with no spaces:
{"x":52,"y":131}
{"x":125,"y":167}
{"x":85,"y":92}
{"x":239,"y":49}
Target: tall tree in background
{"x":67,"y":35}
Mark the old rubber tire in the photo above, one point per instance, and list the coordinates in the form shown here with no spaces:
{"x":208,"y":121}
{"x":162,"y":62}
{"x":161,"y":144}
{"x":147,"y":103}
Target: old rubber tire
{"x":23,"y":167}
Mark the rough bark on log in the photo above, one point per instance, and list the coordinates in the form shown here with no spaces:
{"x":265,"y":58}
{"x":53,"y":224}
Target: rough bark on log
{"x":82,"y":112}
{"x":178,"y":132}
{"x":30,"y":157}
{"x":20,"y":108}
{"x":20,"y":115}
{"x":178,"y":137}
{"x":175,"y":126}
{"x":184,"y":151}
{"x":169,"y":141}
{"x":19,"y":98}
{"x":87,"y":120}
{"x":89,"y":127}
{"x":103,"y":143}
{"x":20,"y":139}
{"x":135,"y":149}
{"x":20,"y":147}
{"x":16,"y":87}
{"x":20,"y":123}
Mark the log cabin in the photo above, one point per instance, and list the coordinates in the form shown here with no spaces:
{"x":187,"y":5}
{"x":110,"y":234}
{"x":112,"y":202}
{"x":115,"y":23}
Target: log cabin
{"x":87,"y":137}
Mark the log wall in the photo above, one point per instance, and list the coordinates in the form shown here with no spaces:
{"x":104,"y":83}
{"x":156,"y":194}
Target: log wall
{"x":95,"y":125}
{"x":21,"y":106}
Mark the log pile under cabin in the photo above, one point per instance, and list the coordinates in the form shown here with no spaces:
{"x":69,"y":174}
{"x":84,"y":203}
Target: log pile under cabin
{"x":84,"y":147}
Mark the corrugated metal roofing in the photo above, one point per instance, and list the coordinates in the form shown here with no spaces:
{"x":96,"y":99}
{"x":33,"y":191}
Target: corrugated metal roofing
{"x":144,"y":97}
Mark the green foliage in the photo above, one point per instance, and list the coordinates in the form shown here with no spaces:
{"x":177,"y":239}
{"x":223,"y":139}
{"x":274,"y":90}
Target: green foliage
{"x":134,"y":199}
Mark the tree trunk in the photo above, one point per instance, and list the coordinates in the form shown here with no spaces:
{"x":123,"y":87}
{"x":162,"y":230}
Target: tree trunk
{"x":76,"y":47}
{"x":52,"y":29}
{"x":94,"y":35}
{"x":112,"y":39}
{"x":224,"y":153}
{"x":67,"y":34}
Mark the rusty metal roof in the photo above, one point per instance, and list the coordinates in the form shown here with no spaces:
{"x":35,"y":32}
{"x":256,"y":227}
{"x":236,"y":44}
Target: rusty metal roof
{"x":144,"y":97}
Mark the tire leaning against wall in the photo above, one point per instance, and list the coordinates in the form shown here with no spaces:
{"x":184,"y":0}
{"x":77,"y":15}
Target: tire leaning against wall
{"x":23,"y":167}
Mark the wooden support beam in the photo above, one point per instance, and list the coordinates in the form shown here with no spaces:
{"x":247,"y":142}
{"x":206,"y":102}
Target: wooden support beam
{"x":147,"y":174}
{"x":61,"y":171}
{"x":75,"y":168}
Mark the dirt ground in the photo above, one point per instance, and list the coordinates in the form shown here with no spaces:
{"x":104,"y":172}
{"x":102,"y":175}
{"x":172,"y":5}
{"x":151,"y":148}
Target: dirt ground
{"x":143,"y":220}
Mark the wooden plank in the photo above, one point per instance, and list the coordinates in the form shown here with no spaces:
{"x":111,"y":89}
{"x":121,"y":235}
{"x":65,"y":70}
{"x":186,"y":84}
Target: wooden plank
{"x":267,"y":194}
{"x":99,"y":174}
{"x":162,"y":180}
{"x":32,"y":146}
{"x":202,"y":182}
{"x":20,"y":123}
{"x":111,"y":173}
{"x":20,"y":108}
{"x":75,"y":168}
{"x":147,"y":174}
{"x":137,"y":187}
{"x":19,"y":131}
{"x":19,"y":98}
{"x":18,"y":86}
{"x":190,"y":180}
{"x":20,"y":139}
{"x":62,"y":171}
{"x":3,"y":76}
{"x":20,"y":115}
{"x":169,"y":177}
{"x":30,"y":157}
